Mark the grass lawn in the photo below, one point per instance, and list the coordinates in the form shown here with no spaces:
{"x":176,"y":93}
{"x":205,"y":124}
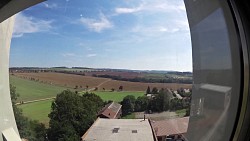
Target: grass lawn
{"x":37,"y":111}
{"x":117,"y":96}
{"x":130,"y":116}
{"x":181,"y":113}
{"x":30,"y":90}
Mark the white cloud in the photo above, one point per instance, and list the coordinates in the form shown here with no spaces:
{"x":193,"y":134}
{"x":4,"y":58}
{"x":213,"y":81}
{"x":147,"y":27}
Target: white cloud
{"x":156,"y":29}
{"x":166,"y":6}
{"x":127,"y":10}
{"x":153,"y":6}
{"x":50,"y":6}
{"x":68,"y":54}
{"x":150,"y":29}
{"x":25,"y":24}
{"x":97,"y":25}
{"x":91,"y":55}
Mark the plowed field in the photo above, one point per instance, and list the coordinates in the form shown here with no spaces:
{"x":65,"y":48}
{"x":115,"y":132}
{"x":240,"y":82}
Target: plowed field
{"x":71,"y":80}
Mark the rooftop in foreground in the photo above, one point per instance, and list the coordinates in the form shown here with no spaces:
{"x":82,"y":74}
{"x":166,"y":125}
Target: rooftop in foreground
{"x":119,"y":130}
{"x":170,"y":126}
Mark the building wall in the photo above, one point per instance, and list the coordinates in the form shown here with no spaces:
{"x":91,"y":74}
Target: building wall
{"x":7,"y":119}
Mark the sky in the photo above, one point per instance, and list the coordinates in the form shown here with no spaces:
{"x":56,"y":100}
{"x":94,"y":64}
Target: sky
{"x":121,"y":34}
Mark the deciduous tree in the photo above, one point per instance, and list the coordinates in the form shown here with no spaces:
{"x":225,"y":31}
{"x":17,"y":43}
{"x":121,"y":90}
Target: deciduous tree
{"x":128,"y":104}
{"x":71,"y":115}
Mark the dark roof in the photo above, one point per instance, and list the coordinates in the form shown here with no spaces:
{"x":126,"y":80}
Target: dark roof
{"x":110,"y":110}
{"x":170,"y":126}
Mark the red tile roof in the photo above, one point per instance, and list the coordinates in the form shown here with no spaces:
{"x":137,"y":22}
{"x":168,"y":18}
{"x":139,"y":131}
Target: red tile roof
{"x":110,"y":110}
{"x":170,"y":126}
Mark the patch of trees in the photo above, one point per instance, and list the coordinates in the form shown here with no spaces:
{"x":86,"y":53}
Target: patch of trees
{"x":128,"y":104}
{"x":71,"y":115}
{"x":181,"y":73}
{"x":161,"y":100}
{"x":141,"y":104}
{"x":28,"y":129}
{"x":154,"y":90}
{"x":183,"y":93}
{"x":158,"y":103}
{"x":147,"y":80}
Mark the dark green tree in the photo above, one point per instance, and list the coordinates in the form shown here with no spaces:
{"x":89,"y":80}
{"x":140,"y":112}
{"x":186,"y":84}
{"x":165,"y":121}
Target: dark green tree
{"x":98,"y":102}
{"x":154,"y":90}
{"x":128,"y":104}
{"x":161,"y":101}
{"x":187,"y":112}
{"x":71,"y":115}
{"x":121,"y":88}
{"x":141,"y":103}
{"x":148,"y":90}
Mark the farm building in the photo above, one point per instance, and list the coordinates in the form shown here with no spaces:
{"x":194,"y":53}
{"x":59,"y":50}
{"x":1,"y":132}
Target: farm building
{"x":150,"y":96}
{"x":177,"y":95}
{"x":112,"y":110}
{"x":170,"y":128}
{"x":119,"y":130}
{"x":187,"y":90}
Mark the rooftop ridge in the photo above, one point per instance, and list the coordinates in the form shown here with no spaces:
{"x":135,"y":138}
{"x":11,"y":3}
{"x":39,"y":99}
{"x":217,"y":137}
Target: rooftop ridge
{"x":109,"y":107}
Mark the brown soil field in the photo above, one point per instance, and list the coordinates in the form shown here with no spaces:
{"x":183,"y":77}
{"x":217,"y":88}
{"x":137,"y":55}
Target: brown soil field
{"x":61,"y":79}
{"x":71,"y":80}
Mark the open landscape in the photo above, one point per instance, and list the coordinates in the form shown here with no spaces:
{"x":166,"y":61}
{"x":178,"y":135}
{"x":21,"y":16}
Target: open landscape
{"x":37,"y":89}
{"x":73,"y":80}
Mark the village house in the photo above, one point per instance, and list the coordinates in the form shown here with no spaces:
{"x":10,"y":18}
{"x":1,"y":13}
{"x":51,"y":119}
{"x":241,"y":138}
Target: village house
{"x":112,"y":111}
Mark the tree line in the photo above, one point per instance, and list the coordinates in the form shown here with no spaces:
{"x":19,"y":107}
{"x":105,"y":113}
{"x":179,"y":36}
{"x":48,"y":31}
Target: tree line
{"x":147,"y":80}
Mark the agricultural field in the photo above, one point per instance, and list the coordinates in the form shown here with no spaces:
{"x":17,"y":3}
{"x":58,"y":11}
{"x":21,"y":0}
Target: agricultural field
{"x":30,"y":90}
{"x":37,"y":111}
{"x":71,"y":80}
{"x":35,"y":86}
{"x":64,"y":80}
{"x":40,"y":110}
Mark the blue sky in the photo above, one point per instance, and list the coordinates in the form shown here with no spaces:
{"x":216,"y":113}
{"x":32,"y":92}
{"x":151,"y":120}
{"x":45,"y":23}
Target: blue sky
{"x":125,"y":34}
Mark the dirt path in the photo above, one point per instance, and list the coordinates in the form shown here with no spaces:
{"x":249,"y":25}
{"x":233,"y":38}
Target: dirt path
{"x":32,"y":101}
{"x":91,"y":89}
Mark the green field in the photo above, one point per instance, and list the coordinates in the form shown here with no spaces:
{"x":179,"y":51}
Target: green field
{"x":117,"y":96}
{"x":37,"y":111}
{"x":40,"y":110}
{"x":31,"y":90}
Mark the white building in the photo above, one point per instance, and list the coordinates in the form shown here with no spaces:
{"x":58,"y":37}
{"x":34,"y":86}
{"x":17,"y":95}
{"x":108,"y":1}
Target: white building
{"x":119,"y":130}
